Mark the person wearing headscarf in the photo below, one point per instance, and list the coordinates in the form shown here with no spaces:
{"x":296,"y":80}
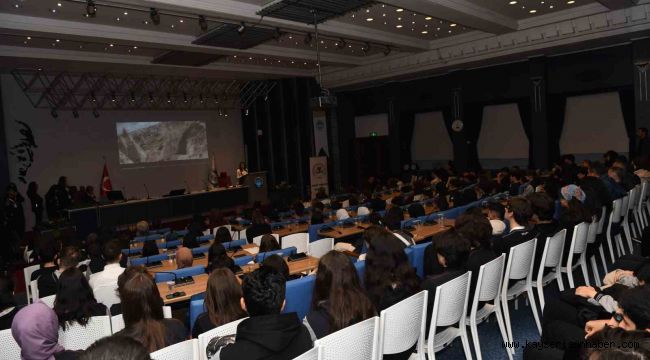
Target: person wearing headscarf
{"x":36,"y":330}
{"x":573,"y":192}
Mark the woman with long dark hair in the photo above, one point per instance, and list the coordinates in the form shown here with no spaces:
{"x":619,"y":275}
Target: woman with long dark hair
{"x":269,"y":243}
{"x":389,"y":276}
{"x":222,"y":301}
{"x":142,"y":311}
{"x":222,"y":235}
{"x":218,"y":258}
{"x":75,"y":301}
{"x":338,"y":299}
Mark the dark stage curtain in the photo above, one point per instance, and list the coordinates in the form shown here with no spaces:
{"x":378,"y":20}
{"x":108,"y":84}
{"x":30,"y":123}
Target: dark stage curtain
{"x":406,"y":126}
{"x":555,"y":109}
{"x":526,"y":122}
{"x":627,"y":105}
{"x":473,"y":114}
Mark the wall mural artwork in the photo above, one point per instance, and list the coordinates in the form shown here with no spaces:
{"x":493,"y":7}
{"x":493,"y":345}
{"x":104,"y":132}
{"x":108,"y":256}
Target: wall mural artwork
{"x":23,"y":150}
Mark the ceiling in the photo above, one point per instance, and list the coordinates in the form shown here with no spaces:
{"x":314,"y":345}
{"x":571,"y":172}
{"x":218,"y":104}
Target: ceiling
{"x":122,"y":36}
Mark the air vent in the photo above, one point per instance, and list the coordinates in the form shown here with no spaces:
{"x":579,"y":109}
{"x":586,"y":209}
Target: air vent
{"x":301,"y":10}
{"x":236,"y":36}
{"x":185,"y":58}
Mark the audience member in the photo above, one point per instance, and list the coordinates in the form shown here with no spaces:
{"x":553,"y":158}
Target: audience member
{"x":316,"y":216}
{"x":545,"y":226}
{"x":94,"y":252}
{"x":75,"y":302}
{"x":115,"y":348}
{"x":277,"y":263}
{"x":223,"y":235}
{"x":572,"y":213}
{"x":218,"y":258}
{"x":393,"y":218}
{"x":267,"y":333}
{"x":184,"y":258}
{"x":476,"y":229}
{"x":222,"y":302}
{"x":259,"y":226}
{"x":268,"y":243}
{"x":46,"y":254}
{"x":518,"y":214}
{"x":48,"y":282}
{"x":36,"y":330}
{"x":108,"y":277}
{"x":8,"y":307}
{"x":142,"y":311}
{"x":338,"y":300}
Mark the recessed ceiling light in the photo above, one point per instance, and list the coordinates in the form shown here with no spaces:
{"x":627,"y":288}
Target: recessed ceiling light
{"x":117,"y":18}
{"x":126,"y":13}
{"x":570,"y":2}
{"x":428,"y":18}
{"x":425,"y":32}
{"x":16,"y":6}
{"x":532,"y":11}
{"x":53,"y":10}
{"x":146,"y":22}
{"x":111,"y":45}
{"x":58,"y":4}
{"x":399,"y":10}
{"x":452,"y":25}
{"x":180,"y":21}
{"x":513,"y":2}
{"x":369,"y":19}
{"x":398,"y":26}
{"x":29,"y":38}
{"x":135,"y":47}
{"x":367,"y":10}
{"x":550,"y":7}
{"x":57,"y":40}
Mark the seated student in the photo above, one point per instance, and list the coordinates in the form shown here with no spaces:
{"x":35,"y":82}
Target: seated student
{"x":142,"y":311}
{"x":393,"y":218}
{"x":518,"y":214}
{"x":115,"y":348}
{"x":46,"y":254}
{"x":389,"y":277}
{"x":377,"y":203}
{"x":416,"y":211}
{"x":36,"y":330}
{"x":572,"y":213}
{"x":68,"y":258}
{"x":452,"y":252}
{"x":267,"y":333}
{"x":112,"y":269}
{"x":476,"y":229}
{"x":94,"y":251}
{"x":316,"y":216}
{"x":259,"y":226}
{"x":222,"y":302}
{"x":218,"y":258}
{"x":184,"y":258}
{"x":612,"y":181}
{"x":8,"y":307}
{"x":223,"y":235}
{"x":543,"y":210}
{"x":269,"y":243}
{"x":338,"y":299}
{"x":142,"y":228}
{"x":150,"y":248}
{"x":277,"y":262}
{"x":618,"y":341}
{"x":496,"y":214}
{"x":75,"y":302}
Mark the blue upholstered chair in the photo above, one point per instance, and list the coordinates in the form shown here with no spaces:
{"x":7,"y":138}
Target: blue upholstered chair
{"x":298,"y":295}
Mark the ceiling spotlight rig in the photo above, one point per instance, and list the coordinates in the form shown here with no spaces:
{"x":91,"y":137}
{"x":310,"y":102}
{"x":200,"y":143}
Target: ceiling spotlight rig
{"x":154,"y":16}
{"x":91,"y":9}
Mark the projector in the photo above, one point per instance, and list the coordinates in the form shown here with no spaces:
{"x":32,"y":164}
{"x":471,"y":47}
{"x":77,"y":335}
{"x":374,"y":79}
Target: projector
{"x":324,"y":101}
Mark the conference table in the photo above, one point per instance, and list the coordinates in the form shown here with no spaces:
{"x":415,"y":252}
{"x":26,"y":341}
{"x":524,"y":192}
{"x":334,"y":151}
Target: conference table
{"x":200,"y":281}
{"x":420,"y":233}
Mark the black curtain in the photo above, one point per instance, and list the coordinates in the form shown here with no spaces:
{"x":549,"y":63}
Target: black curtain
{"x":406,"y":126}
{"x":555,"y":109}
{"x":627,"y":104}
{"x":447,"y":116}
{"x":473,"y":115}
{"x":526,"y":121}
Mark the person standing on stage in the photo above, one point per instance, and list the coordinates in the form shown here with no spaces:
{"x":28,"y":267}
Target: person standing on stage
{"x":241,"y":173}
{"x":36,"y":201}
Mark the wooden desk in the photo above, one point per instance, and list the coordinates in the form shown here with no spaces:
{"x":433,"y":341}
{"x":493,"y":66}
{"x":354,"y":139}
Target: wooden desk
{"x":170,"y":265}
{"x":423,"y":232}
{"x":292,"y":229}
{"x":428,"y":210}
{"x":390,"y":196}
{"x":340,"y":232}
{"x":201,"y":281}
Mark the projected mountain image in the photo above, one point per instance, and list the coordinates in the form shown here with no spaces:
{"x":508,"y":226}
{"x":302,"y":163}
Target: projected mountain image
{"x":148,"y":142}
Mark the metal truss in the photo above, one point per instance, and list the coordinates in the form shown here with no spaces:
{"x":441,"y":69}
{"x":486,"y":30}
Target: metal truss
{"x":98,"y":92}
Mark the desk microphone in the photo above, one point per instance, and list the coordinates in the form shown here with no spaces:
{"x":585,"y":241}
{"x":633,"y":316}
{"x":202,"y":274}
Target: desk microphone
{"x":147,"y":191}
{"x":178,"y":281}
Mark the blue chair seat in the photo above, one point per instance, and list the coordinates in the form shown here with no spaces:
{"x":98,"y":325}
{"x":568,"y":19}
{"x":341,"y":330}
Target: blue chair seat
{"x":170,"y":244}
{"x":361,"y":270}
{"x":196,"y":308}
{"x":200,"y":250}
{"x":192,"y":271}
{"x":298,"y":295}
{"x":205,"y":238}
{"x":282,"y":252}
{"x":243,"y":260}
{"x":134,"y":251}
{"x":234,"y":243}
{"x":153,"y":237}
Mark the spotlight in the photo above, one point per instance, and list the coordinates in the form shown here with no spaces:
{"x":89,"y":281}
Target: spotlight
{"x":91,"y":9}
{"x":132,"y":97}
{"x":246,"y":113}
{"x":54,"y":113}
{"x":169,"y":98}
{"x":220,"y":112}
{"x":216,"y":99}
{"x":201,"y":98}
{"x":154,"y":16}
{"x":307,"y":39}
{"x":184,"y":97}
{"x":203,"y":24}
{"x":341,"y":44}
{"x":113,"y":98}
{"x":92,"y":97}
{"x":241,"y":28}
{"x":387,"y":51}
{"x":365,"y":48}
{"x":96,"y":113}
{"x":75,"y":113}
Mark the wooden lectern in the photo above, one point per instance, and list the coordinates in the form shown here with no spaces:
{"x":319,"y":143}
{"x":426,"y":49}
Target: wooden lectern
{"x":258,"y":189}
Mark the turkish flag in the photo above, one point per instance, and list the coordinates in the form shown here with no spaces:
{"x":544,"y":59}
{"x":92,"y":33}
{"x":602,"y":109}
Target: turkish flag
{"x":106,"y":185}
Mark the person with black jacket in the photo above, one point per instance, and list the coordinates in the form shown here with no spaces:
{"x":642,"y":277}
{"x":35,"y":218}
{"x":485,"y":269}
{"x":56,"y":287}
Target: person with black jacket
{"x":259,"y":227}
{"x":267,"y":333}
{"x":543,"y":209}
{"x":36,"y":202}
{"x":518,"y":213}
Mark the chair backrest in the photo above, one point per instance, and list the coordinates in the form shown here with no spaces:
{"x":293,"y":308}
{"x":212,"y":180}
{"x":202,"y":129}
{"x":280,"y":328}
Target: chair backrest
{"x":592,"y":232}
{"x":298,"y":295}
{"x":579,"y":241}
{"x":361,"y":270}
{"x":107,"y":295}
{"x":300,"y":241}
{"x":33,"y":287}
{"x":258,"y":239}
{"x":601,"y":221}
{"x":240,"y":242}
{"x":204,"y":238}
{"x":615,"y":215}
{"x":625,"y":205}
{"x":363,"y":211}
{"x":223,"y":330}
{"x":185,"y":272}
{"x":488,"y":284}
{"x":450,"y":304}
{"x":243,"y":260}
{"x":520,"y":260}
{"x":403,"y":324}
{"x":282,"y":252}
{"x":356,"y":342}
{"x":27,"y":272}
{"x":197,"y":307}
{"x":117,"y":321}
{"x":312,"y":354}
{"x":200,"y":250}
{"x":186,"y":350}
{"x":10,"y":348}
{"x":418,"y":258}
{"x":49,"y":300}
{"x":78,"y":337}
{"x":553,"y":249}
{"x":321,"y":247}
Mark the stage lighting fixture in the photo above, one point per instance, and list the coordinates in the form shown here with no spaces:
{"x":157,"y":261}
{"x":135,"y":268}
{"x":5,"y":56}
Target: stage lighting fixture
{"x":155,"y":16}
{"x":246,"y":113}
{"x":91,"y":9}
{"x":54,"y":113}
{"x":75,"y":113}
{"x":203,"y":24}
{"x":201,"y":98}
{"x":92,"y":97}
{"x":241,"y":28}
{"x":113,"y":98}
{"x":132,"y":97}
{"x":365,"y":48}
{"x":341,"y":44}
{"x":169,"y":98}
{"x":220,"y":112}
{"x":185,"y":97}
{"x":96,"y":113}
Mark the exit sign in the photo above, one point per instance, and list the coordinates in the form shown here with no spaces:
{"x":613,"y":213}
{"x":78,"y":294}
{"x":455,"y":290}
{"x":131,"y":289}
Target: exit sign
{"x":373,"y":134}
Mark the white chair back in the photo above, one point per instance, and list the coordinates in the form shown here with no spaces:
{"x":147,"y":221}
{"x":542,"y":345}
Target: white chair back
{"x":49,"y":300}
{"x":117,"y":321}
{"x":345,"y":204}
{"x":601,"y":221}
{"x":223,"y":330}
{"x":356,"y":342}
{"x":592,"y":232}
{"x":449,"y":308}
{"x":107,"y":295}
{"x":520,"y":260}
{"x":33,"y":287}
{"x":27,"y":272}
{"x":489,"y":279}
{"x":258,"y":239}
{"x":363,"y":211}
{"x":313,"y":354}
{"x":300,"y":241}
{"x":10,"y":348}
{"x":617,"y":206}
{"x":321,"y":247}
{"x":403,"y":324}
{"x":78,"y":337}
{"x":553,"y":250}
{"x":186,"y":350}
{"x":579,"y":241}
